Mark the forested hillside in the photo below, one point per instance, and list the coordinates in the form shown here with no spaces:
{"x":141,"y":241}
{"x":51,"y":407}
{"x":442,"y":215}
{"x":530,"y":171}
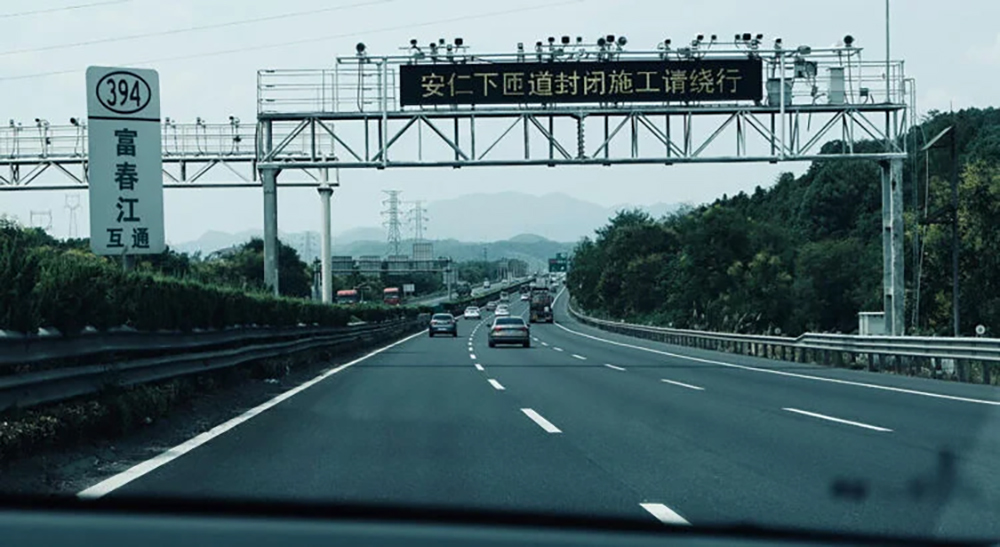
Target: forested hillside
{"x":805,"y":254}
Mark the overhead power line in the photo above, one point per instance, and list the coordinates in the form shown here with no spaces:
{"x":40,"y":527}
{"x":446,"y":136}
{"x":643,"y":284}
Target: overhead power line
{"x":193,"y":29}
{"x":64,"y":8}
{"x":304,"y":40}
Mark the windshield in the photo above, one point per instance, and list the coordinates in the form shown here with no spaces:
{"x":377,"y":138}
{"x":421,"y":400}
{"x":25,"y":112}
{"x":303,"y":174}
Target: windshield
{"x":255,"y":251}
{"x":508,"y":322}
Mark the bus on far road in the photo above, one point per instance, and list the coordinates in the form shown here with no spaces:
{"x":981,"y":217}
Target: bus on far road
{"x":348,"y":296}
{"x":390,"y":296}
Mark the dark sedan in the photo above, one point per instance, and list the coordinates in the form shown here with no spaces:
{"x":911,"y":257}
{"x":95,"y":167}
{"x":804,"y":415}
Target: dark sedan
{"x":509,"y":330}
{"x":442,"y":323}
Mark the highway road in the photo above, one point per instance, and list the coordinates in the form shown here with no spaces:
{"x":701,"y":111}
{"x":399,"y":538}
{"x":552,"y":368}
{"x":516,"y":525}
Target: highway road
{"x":587,"y":422}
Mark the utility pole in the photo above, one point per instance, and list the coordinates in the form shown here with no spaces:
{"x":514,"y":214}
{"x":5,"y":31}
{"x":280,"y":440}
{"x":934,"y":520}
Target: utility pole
{"x":888,"y":77}
{"x":949,"y":215}
{"x":954,"y":234}
{"x":392,"y":221}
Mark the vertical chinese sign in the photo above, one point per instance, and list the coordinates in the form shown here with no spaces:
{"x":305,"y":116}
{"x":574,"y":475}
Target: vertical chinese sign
{"x":124,"y":166}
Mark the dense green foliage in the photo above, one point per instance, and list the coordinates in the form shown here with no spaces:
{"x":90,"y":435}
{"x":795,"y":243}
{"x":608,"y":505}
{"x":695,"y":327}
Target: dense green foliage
{"x":805,"y":254}
{"x":45,"y":283}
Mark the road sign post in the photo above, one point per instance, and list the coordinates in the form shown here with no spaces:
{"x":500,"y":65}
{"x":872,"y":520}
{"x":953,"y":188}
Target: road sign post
{"x":125,"y":170}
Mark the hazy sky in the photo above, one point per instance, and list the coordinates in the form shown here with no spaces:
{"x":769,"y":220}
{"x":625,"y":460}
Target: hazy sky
{"x":212,"y":74}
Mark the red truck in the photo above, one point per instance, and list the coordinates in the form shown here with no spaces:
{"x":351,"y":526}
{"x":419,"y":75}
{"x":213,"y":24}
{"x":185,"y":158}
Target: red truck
{"x":390,"y":296}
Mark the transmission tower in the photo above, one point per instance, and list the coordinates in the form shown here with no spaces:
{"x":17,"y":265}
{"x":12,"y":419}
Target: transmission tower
{"x":44,"y":220}
{"x":392,"y":221}
{"x":416,"y":217}
{"x":72,"y":204}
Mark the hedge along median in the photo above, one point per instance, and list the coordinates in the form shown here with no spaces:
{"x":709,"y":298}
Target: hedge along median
{"x":72,"y":289}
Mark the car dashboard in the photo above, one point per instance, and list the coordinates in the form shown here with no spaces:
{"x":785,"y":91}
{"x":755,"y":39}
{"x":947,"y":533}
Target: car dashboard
{"x":168,"y":523}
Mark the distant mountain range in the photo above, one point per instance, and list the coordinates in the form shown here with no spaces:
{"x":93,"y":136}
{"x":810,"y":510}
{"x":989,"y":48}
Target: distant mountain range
{"x":505,"y":224}
{"x":503,"y":215}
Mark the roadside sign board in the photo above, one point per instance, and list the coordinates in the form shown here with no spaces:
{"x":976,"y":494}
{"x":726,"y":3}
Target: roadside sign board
{"x":125,"y":166}
{"x":408,"y":288}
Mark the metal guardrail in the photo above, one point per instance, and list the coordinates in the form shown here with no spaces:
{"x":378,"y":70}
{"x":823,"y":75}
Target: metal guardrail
{"x":195,"y":353}
{"x":973,"y":360}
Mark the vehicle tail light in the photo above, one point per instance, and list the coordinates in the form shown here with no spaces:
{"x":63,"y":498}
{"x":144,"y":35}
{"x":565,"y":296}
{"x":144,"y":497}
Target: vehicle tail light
{"x":497,"y":329}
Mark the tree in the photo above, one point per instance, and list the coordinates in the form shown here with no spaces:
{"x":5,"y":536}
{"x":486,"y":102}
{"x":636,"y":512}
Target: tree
{"x":244,"y":268}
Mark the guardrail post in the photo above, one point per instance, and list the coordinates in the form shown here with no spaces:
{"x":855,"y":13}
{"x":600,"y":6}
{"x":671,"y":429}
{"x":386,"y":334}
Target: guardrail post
{"x":986,"y":372}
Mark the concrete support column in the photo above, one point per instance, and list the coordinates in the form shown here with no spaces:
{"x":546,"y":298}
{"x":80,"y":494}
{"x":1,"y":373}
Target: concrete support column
{"x":325,"y":193}
{"x":893,"y":287}
{"x":269,"y":178}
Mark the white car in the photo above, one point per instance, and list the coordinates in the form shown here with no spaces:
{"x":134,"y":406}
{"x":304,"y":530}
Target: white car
{"x":502,"y":311}
{"x":472,"y":312}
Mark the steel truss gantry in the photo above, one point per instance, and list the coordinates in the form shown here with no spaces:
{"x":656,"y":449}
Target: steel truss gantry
{"x":195,"y":155}
{"x":351,"y":117}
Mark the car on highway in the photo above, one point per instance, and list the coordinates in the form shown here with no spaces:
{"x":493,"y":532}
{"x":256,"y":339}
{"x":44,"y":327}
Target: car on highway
{"x":442,"y":323}
{"x":525,"y":297}
{"x":491,"y":306}
{"x":472,"y":312}
{"x":509,"y":330}
{"x":502,"y":310}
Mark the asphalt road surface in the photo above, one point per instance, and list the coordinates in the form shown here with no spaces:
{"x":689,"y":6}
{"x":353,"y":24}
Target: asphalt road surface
{"x":588,"y":422}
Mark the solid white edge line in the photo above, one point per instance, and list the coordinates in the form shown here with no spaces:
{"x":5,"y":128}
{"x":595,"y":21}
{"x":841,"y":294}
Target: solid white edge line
{"x":682,"y":384}
{"x":121,"y":479}
{"x":789,"y":374}
{"x":479,"y":367}
{"x":496,"y":385}
{"x":664,"y":514}
{"x":609,"y":365}
{"x":580,"y":357}
{"x":542,"y":422}
{"x":838,"y":420}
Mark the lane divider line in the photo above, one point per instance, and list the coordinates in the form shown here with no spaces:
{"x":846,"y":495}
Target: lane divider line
{"x":839,"y":420}
{"x":472,"y":356}
{"x":496,"y":385}
{"x":609,"y":365}
{"x":682,"y":384}
{"x":664,"y":514}
{"x":788,"y":374}
{"x":479,"y":367}
{"x":545,"y":344}
{"x":121,"y":479}
{"x":542,"y":422}
{"x":580,"y":357}
{"x":558,"y":349}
